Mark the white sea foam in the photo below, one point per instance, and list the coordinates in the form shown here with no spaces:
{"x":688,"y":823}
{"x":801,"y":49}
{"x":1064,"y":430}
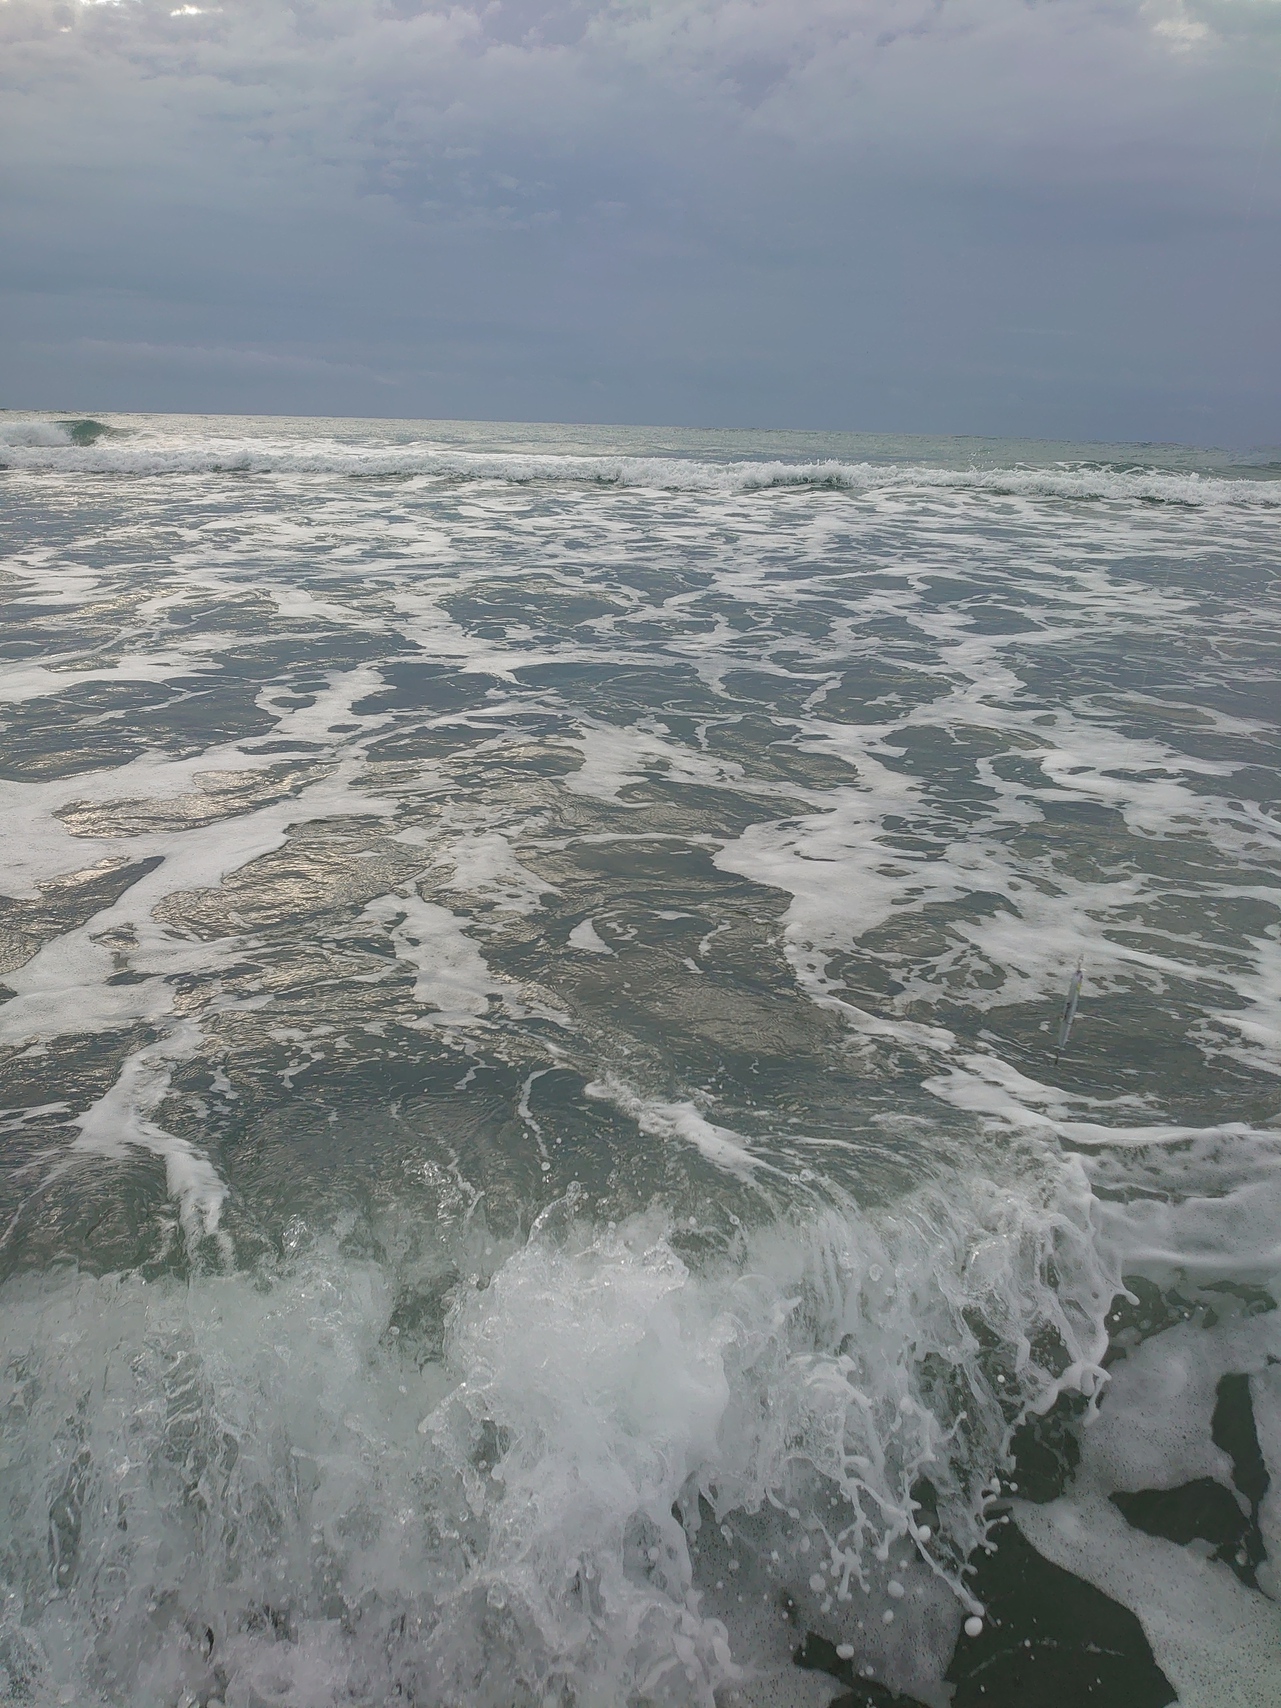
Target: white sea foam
{"x":319,"y":1510}
{"x":847,"y":876}
{"x":451,"y":980}
{"x":684,"y":1123}
{"x":1214,"y":1638}
{"x":312,"y":1510}
{"x":585,"y":936}
{"x":613,"y":759}
{"x":35,"y":681}
{"x":478,"y":861}
{"x":123,"y":1119}
{"x":37,"y":446}
{"x":1199,"y":1212}
{"x":69,"y":985}
{"x":18,"y":434}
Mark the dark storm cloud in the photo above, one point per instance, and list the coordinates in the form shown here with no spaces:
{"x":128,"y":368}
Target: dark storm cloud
{"x":976,"y":215}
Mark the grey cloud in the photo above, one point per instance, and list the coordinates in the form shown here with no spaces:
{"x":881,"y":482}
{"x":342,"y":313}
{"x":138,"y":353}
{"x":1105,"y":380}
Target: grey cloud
{"x":784,"y":211}
{"x":222,"y":357}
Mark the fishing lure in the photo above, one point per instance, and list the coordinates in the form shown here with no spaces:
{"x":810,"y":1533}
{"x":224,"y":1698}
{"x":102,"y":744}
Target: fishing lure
{"x":1069,"y":1013}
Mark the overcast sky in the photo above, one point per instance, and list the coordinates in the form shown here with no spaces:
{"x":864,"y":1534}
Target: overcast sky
{"x":990,"y":216}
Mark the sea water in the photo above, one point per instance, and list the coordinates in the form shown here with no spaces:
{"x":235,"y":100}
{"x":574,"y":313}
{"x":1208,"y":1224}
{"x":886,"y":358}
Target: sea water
{"x":535,"y":1167}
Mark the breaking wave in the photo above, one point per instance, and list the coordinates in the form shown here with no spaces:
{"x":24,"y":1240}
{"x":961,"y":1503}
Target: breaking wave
{"x":56,"y":447}
{"x":348,"y":1479}
{"x":581,"y":1468}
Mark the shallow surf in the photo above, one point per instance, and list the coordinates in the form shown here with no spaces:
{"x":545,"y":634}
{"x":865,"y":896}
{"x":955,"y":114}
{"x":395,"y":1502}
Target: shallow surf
{"x":534,"y":1165}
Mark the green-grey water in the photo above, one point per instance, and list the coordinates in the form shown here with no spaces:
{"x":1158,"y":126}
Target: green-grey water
{"x":534,"y":1168}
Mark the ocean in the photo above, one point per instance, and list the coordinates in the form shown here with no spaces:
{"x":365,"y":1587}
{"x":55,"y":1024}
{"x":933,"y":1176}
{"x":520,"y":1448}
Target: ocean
{"x":546,"y":1159}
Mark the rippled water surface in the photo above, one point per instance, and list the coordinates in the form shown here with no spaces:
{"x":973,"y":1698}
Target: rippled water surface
{"x":536,"y":1166}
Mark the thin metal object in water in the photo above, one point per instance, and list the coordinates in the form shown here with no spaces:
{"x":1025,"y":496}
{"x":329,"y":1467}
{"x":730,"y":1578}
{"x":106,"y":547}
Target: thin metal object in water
{"x":1069,"y":1013}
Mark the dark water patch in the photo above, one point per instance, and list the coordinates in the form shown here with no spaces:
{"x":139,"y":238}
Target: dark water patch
{"x":618,"y":691}
{"x":1204,"y":1510}
{"x":99,"y":725}
{"x":784,"y":694}
{"x":252,"y":612}
{"x":83,"y":727}
{"x":208,"y":716}
{"x":1201,"y":1510}
{"x":1050,"y":1640}
{"x":1232,"y":1428}
{"x":29,"y":630}
{"x":1146,"y":1309}
{"x":1079,"y":815}
{"x":770,"y":752}
{"x":874,"y":691}
{"x":278,"y":657}
{"x":380,"y":1136}
{"x":431,"y":688}
{"x":1046,"y":1450}
{"x":544,"y":606}
{"x":988,"y":616}
{"x":98,"y":1215}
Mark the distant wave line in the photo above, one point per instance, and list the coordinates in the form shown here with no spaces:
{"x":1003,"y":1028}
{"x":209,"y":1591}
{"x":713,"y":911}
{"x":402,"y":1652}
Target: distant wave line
{"x":50,"y":449}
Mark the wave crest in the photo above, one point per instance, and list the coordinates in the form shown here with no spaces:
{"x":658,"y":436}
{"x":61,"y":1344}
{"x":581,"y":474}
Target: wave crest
{"x":42,"y":446}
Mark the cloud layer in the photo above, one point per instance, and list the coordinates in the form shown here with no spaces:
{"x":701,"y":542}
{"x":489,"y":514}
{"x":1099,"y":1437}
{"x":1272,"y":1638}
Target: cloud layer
{"x":967,"y":215}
